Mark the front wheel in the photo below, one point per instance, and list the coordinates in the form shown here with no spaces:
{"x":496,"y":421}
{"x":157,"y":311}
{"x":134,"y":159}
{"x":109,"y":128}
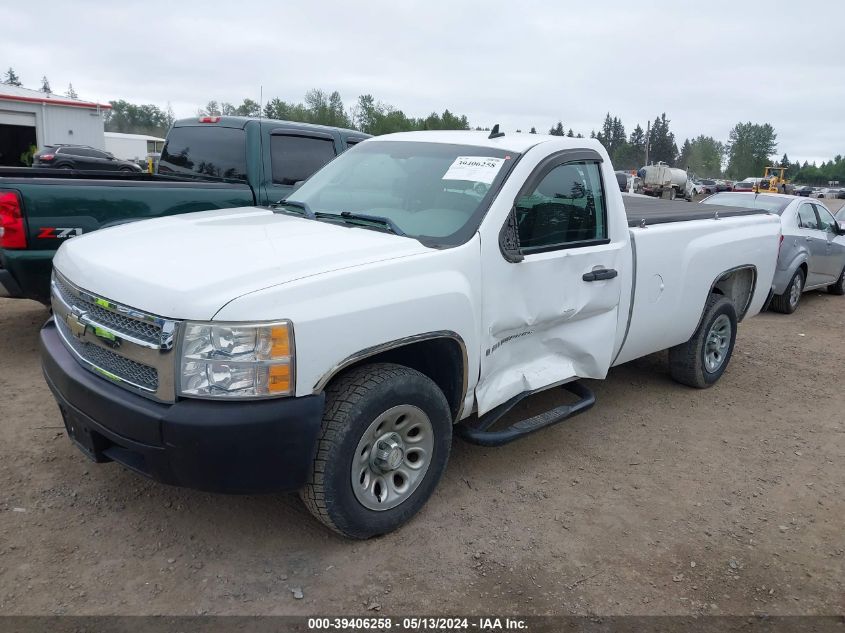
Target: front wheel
{"x":787,"y":303}
{"x":385,"y":441}
{"x":702,"y":360}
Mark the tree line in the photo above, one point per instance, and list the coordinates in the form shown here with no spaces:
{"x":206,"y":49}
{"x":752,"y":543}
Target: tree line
{"x":367,"y":115}
{"x":748,"y":150}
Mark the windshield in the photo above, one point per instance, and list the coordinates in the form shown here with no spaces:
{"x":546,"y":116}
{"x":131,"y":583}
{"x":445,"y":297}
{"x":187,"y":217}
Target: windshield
{"x":774,"y":204}
{"x":435,"y":192}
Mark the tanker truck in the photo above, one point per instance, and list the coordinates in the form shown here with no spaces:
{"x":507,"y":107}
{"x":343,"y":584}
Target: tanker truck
{"x":662,"y":181}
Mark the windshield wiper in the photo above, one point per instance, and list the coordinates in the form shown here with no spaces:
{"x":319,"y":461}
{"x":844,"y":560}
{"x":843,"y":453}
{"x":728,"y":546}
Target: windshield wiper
{"x":295,"y":204}
{"x":365,"y":219}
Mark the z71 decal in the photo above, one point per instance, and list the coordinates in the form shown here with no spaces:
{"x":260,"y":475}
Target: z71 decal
{"x":58,"y":232}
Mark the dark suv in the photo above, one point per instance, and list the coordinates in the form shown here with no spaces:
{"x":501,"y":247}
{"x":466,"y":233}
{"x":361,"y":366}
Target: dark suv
{"x":80,"y":157}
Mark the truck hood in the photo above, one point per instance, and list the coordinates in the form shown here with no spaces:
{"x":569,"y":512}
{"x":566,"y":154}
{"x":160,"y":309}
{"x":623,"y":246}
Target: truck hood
{"x":189,"y":266}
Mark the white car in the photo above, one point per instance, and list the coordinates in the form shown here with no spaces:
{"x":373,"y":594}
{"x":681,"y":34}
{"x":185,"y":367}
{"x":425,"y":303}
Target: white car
{"x":335,"y":343}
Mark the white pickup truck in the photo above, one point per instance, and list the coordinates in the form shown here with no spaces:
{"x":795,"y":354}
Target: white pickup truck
{"x":415,"y":288}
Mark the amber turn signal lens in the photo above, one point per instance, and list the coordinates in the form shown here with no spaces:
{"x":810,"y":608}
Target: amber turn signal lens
{"x":279,"y":379}
{"x":280,"y":342}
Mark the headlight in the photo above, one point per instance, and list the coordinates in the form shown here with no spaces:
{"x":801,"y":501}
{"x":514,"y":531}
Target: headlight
{"x":237,"y":360}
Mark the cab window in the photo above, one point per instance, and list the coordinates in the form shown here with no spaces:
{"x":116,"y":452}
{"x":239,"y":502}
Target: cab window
{"x":826,"y":221}
{"x":565,"y":210}
{"x":295,"y":158}
{"x":807,"y":217}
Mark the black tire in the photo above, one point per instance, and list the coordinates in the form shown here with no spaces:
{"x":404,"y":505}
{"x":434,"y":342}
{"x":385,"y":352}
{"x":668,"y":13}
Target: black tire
{"x":66,"y":166}
{"x":838,"y":288}
{"x":126,"y":170}
{"x":671,"y":193}
{"x":783,"y":303}
{"x":354,"y":401}
{"x":687,"y":361}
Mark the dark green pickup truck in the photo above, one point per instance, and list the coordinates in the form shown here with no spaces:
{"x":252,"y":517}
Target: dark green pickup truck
{"x":207,"y":163}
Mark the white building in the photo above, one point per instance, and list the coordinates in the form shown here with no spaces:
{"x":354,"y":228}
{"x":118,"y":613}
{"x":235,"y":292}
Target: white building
{"x":29,"y":117}
{"x":133,"y":146}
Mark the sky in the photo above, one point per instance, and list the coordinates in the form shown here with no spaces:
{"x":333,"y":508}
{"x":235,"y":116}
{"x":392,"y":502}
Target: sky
{"x":708,"y":65}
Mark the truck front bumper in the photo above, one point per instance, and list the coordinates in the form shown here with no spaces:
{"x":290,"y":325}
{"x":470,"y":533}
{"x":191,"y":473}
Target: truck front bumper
{"x":231,"y":447}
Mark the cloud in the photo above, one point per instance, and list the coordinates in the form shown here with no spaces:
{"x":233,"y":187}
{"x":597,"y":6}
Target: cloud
{"x":519,"y":64}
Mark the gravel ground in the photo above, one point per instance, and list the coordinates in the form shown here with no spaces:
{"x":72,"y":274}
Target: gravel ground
{"x":660,"y":500}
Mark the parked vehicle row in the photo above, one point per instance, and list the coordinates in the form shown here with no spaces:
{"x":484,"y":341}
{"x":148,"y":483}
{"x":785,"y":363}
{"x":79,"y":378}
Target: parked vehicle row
{"x":812,"y":247}
{"x":418,"y":286}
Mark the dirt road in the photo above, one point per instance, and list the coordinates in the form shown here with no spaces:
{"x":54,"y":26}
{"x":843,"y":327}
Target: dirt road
{"x":659,"y":500}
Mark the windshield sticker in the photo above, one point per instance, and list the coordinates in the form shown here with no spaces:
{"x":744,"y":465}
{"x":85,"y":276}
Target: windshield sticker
{"x":474,"y":168}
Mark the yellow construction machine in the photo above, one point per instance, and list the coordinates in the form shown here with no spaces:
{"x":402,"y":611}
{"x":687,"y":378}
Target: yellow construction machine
{"x":774,"y":181}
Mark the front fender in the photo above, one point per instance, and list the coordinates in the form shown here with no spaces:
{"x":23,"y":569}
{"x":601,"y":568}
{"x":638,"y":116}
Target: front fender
{"x":341,"y":314}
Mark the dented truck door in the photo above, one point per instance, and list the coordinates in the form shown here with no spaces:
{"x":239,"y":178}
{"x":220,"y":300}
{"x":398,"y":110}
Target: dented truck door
{"x":552,"y":285}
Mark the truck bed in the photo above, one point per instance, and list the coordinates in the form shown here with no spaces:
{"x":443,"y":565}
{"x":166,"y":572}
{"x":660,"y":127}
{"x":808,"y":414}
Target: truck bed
{"x":645,"y":210}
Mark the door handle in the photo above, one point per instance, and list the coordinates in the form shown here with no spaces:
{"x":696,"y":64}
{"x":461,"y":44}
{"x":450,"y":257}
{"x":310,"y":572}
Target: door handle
{"x":601,"y":273}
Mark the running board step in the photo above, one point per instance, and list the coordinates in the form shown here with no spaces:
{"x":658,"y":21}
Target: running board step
{"x":477,"y":431}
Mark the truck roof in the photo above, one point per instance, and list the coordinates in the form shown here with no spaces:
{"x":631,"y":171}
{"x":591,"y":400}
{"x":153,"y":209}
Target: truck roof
{"x":241,"y":121}
{"x":514,"y":142}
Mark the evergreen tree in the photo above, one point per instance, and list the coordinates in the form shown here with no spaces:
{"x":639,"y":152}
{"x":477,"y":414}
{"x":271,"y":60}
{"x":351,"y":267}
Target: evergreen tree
{"x":557,"y":130}
{"x":662,"y":141}
{"x":71,"y":93}
{"x":12,"y":78}
{"x":533,"y":130}
{"x":45,"y":85}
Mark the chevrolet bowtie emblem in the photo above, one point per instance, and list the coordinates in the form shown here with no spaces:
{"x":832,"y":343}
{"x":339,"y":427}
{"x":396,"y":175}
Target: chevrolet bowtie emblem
{"x":76,"y":326}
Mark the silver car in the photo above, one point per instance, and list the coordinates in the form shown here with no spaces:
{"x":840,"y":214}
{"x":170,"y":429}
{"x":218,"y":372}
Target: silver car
{"x":812,"y":247}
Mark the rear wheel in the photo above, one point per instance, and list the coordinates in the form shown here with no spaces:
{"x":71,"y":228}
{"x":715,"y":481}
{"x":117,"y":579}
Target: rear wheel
{"x":838,"y":288}
{"x":787,"y":303}
{"x":384,"y":445}
{"x":702,"y":360}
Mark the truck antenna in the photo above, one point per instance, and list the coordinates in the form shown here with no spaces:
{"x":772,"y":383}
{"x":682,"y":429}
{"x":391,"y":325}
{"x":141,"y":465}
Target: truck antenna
{"x":261,"y":146}
{"x":495,"y":133}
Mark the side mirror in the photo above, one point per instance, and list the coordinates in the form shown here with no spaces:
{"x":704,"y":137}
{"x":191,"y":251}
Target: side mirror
{"x":509,"y":239}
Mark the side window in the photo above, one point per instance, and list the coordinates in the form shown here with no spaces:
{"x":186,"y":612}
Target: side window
{"x":566,"y":209}
{"x":295,"y":158}
{"x":807,"y":217}
{"x":826,"y":221}
{"x":73,"y":151}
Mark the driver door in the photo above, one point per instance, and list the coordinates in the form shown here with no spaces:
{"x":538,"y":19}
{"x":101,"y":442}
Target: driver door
{"x":816,"y":243}
{"x":552,"y":316}
{"x":834,"y":256}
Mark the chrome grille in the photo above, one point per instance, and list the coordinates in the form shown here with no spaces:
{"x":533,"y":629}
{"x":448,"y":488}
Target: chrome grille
{"x":134,"y":373}
{"x":126,"y":325}
{"x":133,"y":349}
